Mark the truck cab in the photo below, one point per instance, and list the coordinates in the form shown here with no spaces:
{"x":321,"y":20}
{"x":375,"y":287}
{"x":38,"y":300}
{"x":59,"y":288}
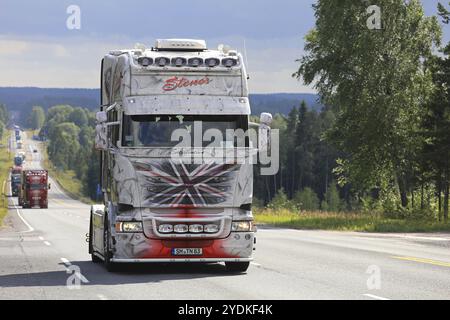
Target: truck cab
{"x":16,"y":180}
{"x":167,"y":124}
{"x":34,"y":189}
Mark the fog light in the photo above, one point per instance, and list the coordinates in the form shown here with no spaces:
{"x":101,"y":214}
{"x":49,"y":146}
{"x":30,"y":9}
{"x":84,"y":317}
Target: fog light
{"x":181,"y":228}
{"x":196,"y":228}
{"x":165,"y":228}
{"x":211,"y":228}
{"x":129,"y":226}
{"x":241,"y":226}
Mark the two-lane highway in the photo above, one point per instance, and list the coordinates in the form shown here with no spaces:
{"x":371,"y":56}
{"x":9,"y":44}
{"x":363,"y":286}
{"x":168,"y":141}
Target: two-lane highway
{"x":41,"y":252}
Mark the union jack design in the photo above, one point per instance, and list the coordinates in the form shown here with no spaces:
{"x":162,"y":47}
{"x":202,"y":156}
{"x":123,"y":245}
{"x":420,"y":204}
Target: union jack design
{"x":178,"y":184}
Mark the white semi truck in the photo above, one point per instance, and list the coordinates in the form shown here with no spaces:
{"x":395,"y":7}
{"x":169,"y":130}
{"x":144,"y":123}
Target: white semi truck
{"x":158,"y":207}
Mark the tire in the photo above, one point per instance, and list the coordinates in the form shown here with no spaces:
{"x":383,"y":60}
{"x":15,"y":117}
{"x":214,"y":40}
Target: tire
{"x":237,"y":267}
{"x":109,"y":265}
{"x":94,"y":258}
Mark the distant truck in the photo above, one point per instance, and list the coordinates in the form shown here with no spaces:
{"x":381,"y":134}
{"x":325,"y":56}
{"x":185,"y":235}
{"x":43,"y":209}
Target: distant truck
{"x":16,"y":177}
{"x":34,"y":189}
{"x":18,"y":160}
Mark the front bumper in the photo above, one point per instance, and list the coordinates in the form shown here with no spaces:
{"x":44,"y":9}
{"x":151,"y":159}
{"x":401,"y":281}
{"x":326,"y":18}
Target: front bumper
{"x":136,"y":248}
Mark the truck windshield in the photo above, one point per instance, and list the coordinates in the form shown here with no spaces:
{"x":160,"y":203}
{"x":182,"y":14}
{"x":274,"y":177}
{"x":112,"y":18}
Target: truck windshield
{"x":156,"y":130}
{"x":37,"y":186}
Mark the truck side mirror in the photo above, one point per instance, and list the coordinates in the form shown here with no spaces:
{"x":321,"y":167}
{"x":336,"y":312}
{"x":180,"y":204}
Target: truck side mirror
{"x":101,"y":117}
{"x":265,"y":121}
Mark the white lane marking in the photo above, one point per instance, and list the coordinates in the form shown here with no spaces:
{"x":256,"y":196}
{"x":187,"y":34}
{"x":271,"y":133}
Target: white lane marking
{"x":374,"y":296}
{"x":255,"y":264}
{"x":47,"y":243}
{"x":426,"y":238}
{"x":67,"y":264}
{"x":102,"y":297}
{"x":30,"y":228}
{"x":41,"y":238}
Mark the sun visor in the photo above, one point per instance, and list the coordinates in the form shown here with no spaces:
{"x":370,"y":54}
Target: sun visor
{"x":201,"y":105}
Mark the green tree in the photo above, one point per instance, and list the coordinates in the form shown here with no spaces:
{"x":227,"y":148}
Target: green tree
{"x":37,"y":118}
{"x":436,"y":125}
{"x":4,"y":114}
{"x":307,"y":200}
{"x":281,"y":201}
{"x":378,"y":82}
{"x":332,"y":199}
{"x":79,"y":117}
{"x":64,"y":146}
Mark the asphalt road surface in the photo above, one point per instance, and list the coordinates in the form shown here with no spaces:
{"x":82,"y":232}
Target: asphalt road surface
{"x":43,"y":255}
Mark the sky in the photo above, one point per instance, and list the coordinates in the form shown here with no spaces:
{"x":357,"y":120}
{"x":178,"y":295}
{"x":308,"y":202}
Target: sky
{"x":37,"y":48}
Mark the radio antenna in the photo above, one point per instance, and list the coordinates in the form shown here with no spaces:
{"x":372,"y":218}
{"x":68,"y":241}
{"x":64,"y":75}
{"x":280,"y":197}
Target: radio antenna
{"x":246,"y":58}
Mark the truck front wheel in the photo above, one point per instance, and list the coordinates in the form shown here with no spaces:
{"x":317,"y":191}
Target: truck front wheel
{"x":109,"y":265}
{"x":94,"y":258}
{"x":237,"y":267}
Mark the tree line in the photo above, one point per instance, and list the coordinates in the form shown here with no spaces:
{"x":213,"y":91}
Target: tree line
{"x":70,"y":133}
{"x":4,"y":119}
{"x":389,"y":92}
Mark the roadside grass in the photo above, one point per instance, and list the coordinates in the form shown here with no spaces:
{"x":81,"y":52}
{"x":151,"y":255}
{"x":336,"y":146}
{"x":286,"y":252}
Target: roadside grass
{"x":356,"y":222}
{"x":67,"y":179}
{"x":5,"y":165}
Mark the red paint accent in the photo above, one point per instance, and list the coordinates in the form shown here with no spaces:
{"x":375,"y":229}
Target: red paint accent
{"x":212,"y":248}
{"x":176,"y":82}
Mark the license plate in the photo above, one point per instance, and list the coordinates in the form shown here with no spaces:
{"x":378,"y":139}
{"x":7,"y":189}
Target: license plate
{"x":187,"y":251}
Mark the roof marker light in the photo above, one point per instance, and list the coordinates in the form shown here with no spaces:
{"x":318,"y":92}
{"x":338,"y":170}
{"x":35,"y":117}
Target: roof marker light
{"x":212,"y":62}
{"x":145,"y":61}
{"x":178,"y":62}
{"x":195,"y":62}
{"x":229,"y":62}
{"x":162,"y":61}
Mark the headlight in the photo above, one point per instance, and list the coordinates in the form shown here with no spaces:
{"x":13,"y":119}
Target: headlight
{"x":211,"y":228}
{"x":129,"y":226}
{"x":196,"y":228}
{"x":165,"y":228}
{"x":241,"y":226}
{"x":181,"y":228}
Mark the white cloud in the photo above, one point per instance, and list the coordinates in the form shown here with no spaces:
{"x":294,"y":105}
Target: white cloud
{"x":12,"y":47}
{"x":75,"y":62}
